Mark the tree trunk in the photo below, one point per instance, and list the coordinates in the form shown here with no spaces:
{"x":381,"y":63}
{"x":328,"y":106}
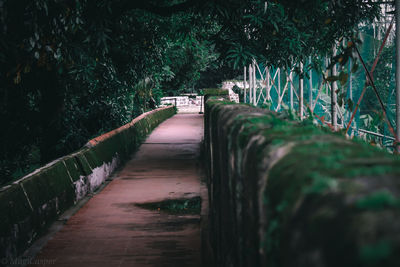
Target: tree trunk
{"x":51,"y":106}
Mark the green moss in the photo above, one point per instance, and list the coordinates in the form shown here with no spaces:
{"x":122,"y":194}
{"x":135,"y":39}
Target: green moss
{"x":323,"y":170}
{"x":374,"y":170}
{"x":82,"y":162}
{"x":320,"y":184}
{"x":272,"y":240}
{"x":215,"y":91}
{"x":377,"y":201}
{"x":94,"y":156}
{"x":14,"y":207}
{"x":73,"y":168}
{"x":48,"y":184}
{"x":372,"y":254}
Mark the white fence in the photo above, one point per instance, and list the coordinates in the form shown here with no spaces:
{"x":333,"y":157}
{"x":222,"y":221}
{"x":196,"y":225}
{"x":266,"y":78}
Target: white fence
{"x":180,"y":101}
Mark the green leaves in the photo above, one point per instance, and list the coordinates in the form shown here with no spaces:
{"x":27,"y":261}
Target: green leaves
{"x":97,"y":53}
{"x":280,"y":31}
{"x":239,"y":56}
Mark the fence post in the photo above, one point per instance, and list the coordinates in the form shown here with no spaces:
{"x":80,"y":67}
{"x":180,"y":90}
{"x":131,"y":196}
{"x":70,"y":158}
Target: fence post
{"x":291,"y":89}
{"x":268,"y":84}
{"x":255,"y":85}
{"x":279,"y":84}
{"x":301,"y":111}
{"x":244,"y":84}
{"x":250,"y":86}
{"x":334,"y":95}
{"x":310,"y":96}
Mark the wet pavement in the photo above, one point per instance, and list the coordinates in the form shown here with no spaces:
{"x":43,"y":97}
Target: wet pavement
{"x":112,"y":230}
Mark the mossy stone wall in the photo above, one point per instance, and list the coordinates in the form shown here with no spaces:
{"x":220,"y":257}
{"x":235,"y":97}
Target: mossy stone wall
{"x":213,"y":92}
{"x":31,"y":204}
{"x":288,"y":193}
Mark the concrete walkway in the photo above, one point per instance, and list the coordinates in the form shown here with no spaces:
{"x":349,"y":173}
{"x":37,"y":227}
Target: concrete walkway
{"x":110,"y":230}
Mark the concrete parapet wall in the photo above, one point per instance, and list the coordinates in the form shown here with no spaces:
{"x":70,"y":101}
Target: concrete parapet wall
{"x":31,"y":204}
{"x":287,"y":193}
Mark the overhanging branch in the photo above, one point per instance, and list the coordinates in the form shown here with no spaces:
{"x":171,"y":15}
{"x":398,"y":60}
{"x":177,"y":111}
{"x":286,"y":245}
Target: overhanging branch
{"x":159,"y":10}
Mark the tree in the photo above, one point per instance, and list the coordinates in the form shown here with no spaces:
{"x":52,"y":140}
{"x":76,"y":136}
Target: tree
{"x":71,"y":69}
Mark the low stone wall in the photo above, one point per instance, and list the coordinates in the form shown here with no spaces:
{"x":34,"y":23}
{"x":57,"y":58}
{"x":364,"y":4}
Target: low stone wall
{"x":29,"y":205}
{"x":285,"y":193}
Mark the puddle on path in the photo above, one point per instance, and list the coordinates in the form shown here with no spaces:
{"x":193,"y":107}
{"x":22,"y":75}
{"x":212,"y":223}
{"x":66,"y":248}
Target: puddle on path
{"x":175,"y":206}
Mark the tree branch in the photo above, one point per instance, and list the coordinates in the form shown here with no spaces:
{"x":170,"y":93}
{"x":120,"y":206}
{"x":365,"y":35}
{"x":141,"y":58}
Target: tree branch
{"x":159,"y":10}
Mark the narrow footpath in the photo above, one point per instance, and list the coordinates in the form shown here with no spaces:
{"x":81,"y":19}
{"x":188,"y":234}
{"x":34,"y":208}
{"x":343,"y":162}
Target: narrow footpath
{"x":117,"y":228}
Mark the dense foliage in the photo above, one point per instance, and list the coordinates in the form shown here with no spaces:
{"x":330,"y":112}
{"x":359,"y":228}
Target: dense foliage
{"x":71,"y":69}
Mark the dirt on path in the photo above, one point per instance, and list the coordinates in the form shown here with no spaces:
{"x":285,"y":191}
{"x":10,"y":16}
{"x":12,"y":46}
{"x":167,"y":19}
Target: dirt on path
{"x":118,"y":226}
